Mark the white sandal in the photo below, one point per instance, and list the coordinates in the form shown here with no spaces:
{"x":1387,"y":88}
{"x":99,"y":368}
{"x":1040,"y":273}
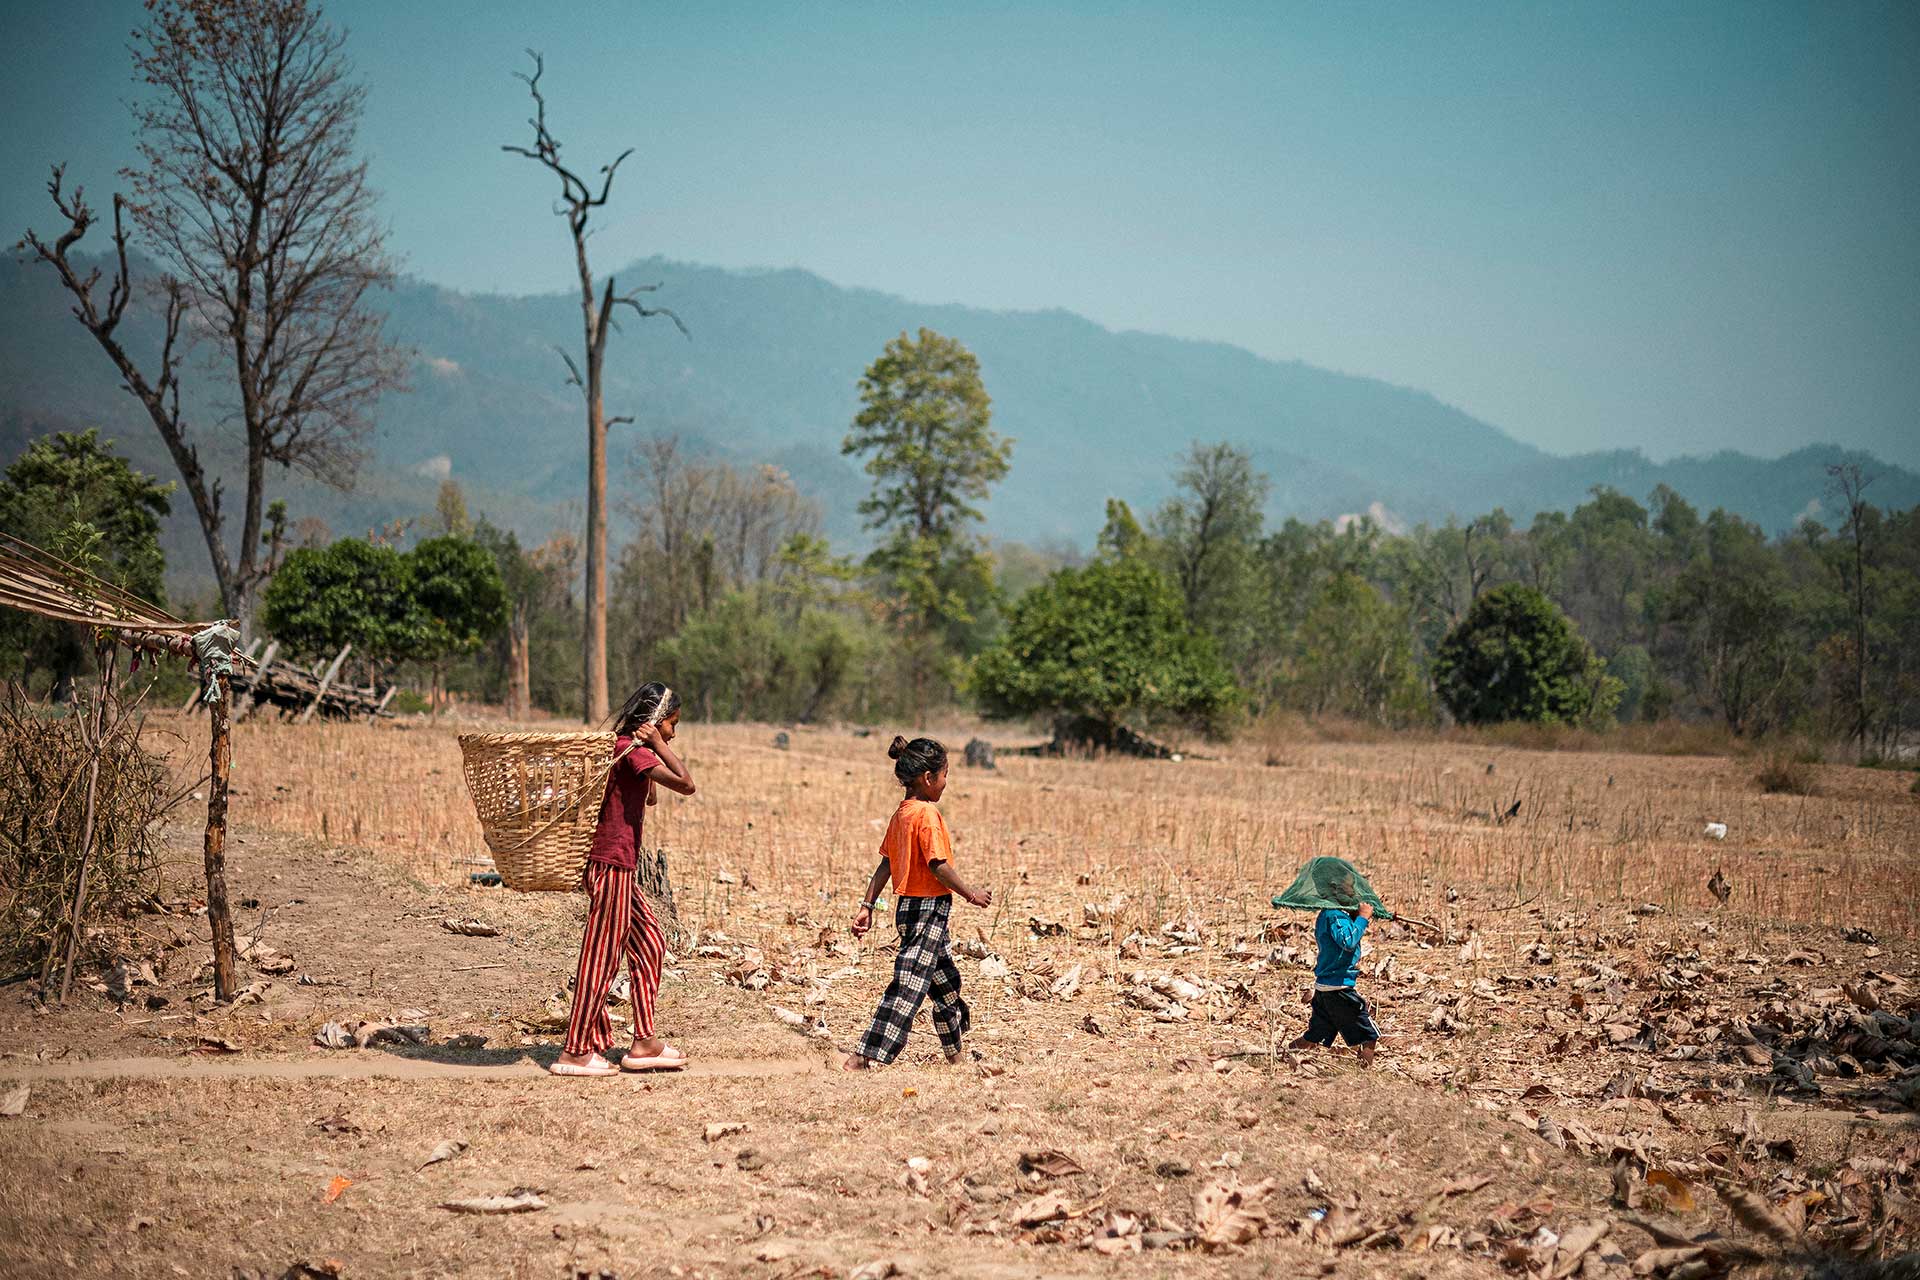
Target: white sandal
{"x":593,"y":1066}
{"x":668,"y":1059}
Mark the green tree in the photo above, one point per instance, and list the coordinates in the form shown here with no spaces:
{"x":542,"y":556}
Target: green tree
{"x":1110,"y":643}
{"x":450,"y":517}
{"x":352,"y":592}
{"x":1121,"y":538}
{"x":1732,"y":614}
{"x":1515,"y":656}
{"x":925,"y":429}
{"x":751,"y":655}
{"x":460,"y":599}
{"x":535,"y":659}
{"x":1610,"y":572}
{"x":71,"y":495}
{"x":1353,"y":656}
{"x":1207,"y":537}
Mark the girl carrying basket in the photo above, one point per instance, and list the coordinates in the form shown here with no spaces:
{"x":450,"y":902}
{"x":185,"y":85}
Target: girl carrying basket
{"x":917,"y":853}
{"x":619,"y":922}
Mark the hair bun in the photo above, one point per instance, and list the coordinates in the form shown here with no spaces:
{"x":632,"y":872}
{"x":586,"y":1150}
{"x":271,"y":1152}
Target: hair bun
{"x":895,"y":747}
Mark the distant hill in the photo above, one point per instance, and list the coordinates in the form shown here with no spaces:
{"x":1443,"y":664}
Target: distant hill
{"x":770,"y":373}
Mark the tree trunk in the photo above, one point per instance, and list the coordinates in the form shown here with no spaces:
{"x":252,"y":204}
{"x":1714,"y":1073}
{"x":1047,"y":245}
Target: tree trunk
{"x":519,"y":672}
{"x":595,"y":702}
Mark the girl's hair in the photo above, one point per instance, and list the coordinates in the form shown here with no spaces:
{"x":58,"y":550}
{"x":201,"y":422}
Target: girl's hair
{"x":911,"y":759}
{"x":649,"y":704}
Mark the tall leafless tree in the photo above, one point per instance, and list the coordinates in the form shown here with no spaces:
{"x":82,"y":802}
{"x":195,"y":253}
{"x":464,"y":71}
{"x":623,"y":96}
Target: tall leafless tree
{"x":250,"y":200}
{"x":1852,"y":484}
{"x":576,"y":204}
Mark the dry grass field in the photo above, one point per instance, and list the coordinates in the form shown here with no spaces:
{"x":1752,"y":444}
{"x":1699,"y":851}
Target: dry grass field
{"x":1589,"y":1066}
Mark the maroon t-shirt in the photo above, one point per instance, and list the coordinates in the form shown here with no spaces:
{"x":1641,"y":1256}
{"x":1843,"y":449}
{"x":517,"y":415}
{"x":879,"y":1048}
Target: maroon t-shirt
{"x":616,"y":839}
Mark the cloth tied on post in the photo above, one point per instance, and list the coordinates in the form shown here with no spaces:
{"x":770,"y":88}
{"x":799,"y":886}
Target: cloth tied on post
{"x":213,"y":653}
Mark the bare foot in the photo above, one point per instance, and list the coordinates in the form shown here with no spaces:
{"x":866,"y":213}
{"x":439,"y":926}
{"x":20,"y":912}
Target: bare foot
{"x":854,"y":1062}
{"x":1366,"y":1053}
{"x":1298,"y":1045}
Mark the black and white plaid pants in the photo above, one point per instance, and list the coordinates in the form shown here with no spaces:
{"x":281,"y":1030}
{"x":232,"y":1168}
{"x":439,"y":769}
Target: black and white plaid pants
{"x":923,"y":968}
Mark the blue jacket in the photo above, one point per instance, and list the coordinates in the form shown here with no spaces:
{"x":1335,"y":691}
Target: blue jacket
{"x":1338,"y":936}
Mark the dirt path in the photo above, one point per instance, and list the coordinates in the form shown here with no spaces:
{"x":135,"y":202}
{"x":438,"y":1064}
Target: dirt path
{"x":380,"y":1067}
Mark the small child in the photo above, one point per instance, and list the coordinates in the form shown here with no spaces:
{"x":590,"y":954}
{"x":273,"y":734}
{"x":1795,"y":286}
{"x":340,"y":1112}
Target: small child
{"x":917,"y":853}
{"x":619,"y":923}
{"x":1337,"y":1007}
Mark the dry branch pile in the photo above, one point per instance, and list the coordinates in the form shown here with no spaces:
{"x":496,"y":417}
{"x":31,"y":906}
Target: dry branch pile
{"x":43,"y":803}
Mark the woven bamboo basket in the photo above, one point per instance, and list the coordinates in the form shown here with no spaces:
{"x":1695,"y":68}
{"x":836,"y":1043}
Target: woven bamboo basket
{"x":538,"y":796}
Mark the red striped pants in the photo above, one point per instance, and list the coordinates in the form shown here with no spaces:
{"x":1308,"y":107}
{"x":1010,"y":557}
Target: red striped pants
{"x":619,"y":926}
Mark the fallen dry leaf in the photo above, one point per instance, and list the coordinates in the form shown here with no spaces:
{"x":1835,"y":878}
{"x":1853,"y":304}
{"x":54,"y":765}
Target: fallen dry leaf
{"x":214,"y":1044}
{"x":1461,"y":1186}
{"x":724,"y":1129}
{"x":1230,"y":1214}
{"x":1043,"y":1208}
{"x":512,"y":1202}
{"x":447,"y":1150}
{"x":470,"y":928}
{"x":15,"y":1100}
{"x":335,"y":1189}
{"x":1661,"y":1260}
{"x":1576,"y":1244}
{"x":1053,"y":1164}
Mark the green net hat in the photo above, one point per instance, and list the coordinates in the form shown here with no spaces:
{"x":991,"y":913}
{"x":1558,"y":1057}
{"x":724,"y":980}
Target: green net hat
{"x":1330,"y":884}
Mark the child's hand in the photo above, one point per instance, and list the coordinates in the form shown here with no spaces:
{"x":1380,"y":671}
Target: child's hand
{"x":982,"y":899}
{"x":1306,"y":995}
{"x":862,"y":922}
{"x":1366,"y":911}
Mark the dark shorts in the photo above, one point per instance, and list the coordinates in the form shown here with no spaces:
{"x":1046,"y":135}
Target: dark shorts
{"x":1342,"y":1012}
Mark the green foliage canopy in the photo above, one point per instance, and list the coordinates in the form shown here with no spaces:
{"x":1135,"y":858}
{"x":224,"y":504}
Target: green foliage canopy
{"x":925,"y":427}
{"x":352,"y":592}
{"x":1515,"y":656}
{"x":460,"y":595}
{"x":71,"y":495}
{"x":1109,"y":641}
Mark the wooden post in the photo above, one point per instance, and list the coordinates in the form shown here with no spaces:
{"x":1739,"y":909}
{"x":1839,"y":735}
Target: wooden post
{"x":75,"y":917}
{"x":333,"y":669}
{"x":219,"y":918}
{"x":256,"y":689}
{"x":385,"y":698}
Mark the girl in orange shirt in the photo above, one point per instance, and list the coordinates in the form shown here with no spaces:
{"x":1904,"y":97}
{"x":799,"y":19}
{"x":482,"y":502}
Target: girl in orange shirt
{"x":917,"y":854}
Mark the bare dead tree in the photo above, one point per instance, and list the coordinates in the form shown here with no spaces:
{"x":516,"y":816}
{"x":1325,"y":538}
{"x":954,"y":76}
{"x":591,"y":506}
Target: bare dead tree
{"x":576,"y":204}
{"x":1852,"y":484}
{"x":250,"y":200}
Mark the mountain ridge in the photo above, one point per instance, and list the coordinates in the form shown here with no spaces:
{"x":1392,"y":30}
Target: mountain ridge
{"x":770,"y":373}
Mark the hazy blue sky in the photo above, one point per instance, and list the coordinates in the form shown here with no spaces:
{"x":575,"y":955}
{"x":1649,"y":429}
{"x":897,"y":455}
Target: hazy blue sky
{"x":1678,"y":226}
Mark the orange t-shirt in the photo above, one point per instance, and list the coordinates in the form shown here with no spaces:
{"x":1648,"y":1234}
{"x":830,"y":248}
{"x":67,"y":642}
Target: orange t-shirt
{"x":915,"y":838}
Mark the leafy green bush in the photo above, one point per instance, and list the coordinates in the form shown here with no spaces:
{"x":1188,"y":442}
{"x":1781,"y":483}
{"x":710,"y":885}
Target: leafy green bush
{"x":1515,"y":656}
{"x":1111,"y":643}
{"x":442,"y":598}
